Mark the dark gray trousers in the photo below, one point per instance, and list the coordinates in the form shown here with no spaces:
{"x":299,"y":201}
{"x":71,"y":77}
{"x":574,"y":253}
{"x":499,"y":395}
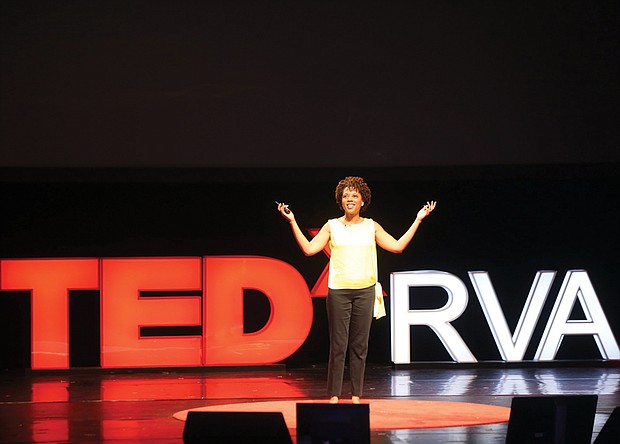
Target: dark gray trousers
{"x":349,"y":315}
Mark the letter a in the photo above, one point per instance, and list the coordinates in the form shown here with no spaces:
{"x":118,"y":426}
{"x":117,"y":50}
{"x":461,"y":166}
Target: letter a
{"x":577,"y":286}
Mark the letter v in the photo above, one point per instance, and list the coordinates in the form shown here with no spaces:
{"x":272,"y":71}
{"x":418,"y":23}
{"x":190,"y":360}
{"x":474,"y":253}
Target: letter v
{"x":512,"y":348}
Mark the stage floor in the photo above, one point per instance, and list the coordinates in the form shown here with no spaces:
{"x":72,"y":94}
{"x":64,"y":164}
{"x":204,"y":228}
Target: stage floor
{"x":92,"y":405}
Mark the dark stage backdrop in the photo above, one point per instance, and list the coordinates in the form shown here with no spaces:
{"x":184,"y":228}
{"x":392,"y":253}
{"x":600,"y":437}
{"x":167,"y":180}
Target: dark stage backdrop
{"x":146,"y":83}
{"x":509,"y":221}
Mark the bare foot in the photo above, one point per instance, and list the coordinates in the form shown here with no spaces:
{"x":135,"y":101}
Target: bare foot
{"x":333,"y":400}
{"x":355,"y":399}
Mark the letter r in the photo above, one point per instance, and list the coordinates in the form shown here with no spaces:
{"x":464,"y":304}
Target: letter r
{"x":437,"y":319}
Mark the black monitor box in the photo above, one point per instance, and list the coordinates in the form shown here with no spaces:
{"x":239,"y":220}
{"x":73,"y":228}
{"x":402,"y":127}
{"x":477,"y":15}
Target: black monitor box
{"x":566,"y":419}
{"x":236,"y":428}
{"x":333,"y":423}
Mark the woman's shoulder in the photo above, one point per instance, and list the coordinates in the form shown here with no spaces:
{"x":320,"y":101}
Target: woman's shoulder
{"x":369,"y":221}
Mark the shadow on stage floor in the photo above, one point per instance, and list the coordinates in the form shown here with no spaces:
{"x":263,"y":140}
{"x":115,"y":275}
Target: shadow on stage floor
{"x":138,"y":406}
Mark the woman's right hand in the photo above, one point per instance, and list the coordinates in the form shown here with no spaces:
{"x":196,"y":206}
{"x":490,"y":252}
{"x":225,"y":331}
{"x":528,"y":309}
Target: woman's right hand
{"x":286,"y":212}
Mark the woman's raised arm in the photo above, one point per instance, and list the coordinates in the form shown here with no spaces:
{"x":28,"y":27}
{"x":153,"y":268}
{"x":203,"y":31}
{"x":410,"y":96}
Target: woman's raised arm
{"x":389,"y":243}
{"x":309,"y":247}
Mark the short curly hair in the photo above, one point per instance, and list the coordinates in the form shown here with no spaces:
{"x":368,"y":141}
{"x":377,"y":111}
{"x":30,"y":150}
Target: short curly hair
{"x":357,"y":184}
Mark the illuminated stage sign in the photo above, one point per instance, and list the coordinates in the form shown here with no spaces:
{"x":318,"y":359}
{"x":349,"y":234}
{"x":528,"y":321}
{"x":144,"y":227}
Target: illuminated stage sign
{"x":207,"y":293}
{"x":138,"y":292}
{"x":576,"y":287}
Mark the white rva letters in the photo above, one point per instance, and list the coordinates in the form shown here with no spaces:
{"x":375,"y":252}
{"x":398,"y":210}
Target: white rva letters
{"x":512,"y":347}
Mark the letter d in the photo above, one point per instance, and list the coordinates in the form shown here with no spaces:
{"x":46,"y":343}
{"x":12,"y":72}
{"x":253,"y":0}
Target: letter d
{"x":289,"y":321}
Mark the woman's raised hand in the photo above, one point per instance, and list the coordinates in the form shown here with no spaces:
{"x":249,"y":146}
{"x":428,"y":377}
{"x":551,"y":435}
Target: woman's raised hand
{"x":285,"y":211}
{"x":426,"y":209}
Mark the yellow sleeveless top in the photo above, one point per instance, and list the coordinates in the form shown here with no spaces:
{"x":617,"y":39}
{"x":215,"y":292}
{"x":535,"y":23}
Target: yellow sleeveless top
{"x":353,"y":260}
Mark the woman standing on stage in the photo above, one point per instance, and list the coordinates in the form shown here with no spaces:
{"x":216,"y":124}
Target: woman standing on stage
{"x":352,"y":277}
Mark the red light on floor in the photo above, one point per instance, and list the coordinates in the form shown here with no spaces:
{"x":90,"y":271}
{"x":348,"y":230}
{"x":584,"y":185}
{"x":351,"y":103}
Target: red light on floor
{"x":50,"y":391}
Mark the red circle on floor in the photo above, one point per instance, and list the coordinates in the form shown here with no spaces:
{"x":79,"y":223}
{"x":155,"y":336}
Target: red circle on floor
{"x":385,"y":414}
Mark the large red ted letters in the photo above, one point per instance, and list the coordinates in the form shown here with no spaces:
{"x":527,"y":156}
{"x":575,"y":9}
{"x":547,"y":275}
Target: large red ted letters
{"x":215,"y":286}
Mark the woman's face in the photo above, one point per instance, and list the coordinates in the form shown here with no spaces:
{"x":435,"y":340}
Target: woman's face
{"x":351,"y":201}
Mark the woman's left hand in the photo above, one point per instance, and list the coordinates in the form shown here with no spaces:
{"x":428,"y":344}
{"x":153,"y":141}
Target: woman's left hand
{"x":426,"y":210}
